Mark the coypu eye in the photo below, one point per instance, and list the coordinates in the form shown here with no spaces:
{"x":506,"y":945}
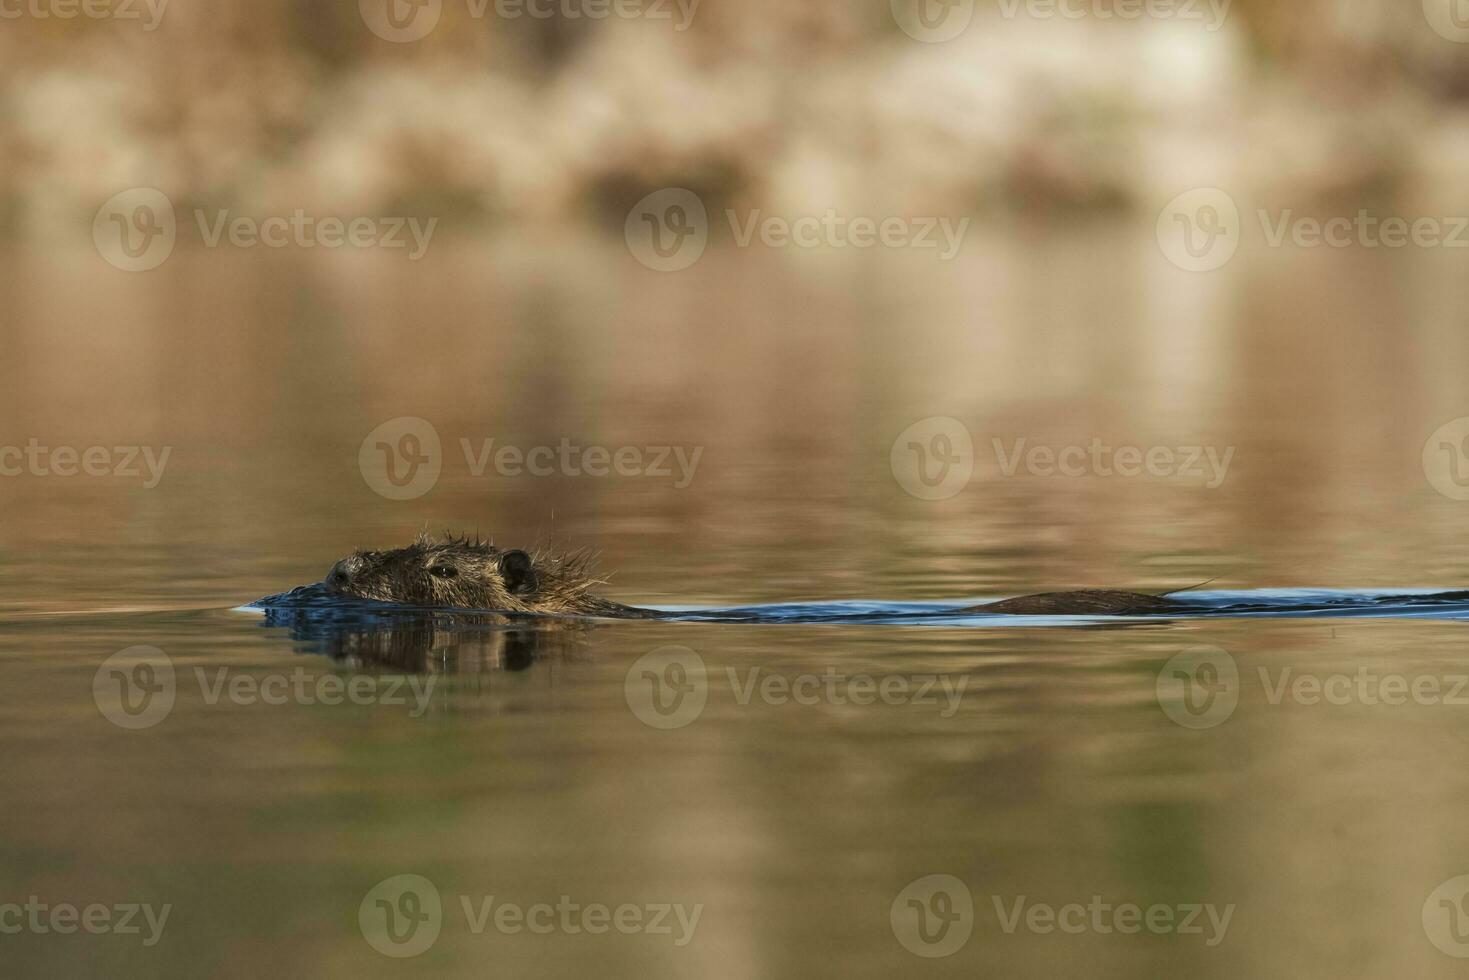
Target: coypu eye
{"x":443,"y":571}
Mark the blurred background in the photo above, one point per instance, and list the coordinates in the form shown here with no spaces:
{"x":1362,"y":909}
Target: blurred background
{"x":491,"y":112}
{"x":1122,"y":197}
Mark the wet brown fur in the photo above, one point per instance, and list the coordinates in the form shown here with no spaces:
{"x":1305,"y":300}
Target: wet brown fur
{"x":469,"y":573}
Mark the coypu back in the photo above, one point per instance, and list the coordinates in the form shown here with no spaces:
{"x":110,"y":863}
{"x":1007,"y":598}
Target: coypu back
{"x":1088,"y":602}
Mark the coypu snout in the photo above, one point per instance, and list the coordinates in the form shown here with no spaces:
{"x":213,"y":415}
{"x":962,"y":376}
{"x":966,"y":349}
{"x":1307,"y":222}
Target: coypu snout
{"x":339,"y":579}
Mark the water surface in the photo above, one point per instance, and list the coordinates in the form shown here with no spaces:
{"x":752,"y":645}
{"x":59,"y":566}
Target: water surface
{"x":526,"y":773}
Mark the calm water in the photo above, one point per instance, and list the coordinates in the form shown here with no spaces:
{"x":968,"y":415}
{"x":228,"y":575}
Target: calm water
{"x":1036,"y":765}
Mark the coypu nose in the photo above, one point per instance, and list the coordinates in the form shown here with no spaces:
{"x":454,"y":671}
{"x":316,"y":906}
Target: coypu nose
{"x":339,"y":577}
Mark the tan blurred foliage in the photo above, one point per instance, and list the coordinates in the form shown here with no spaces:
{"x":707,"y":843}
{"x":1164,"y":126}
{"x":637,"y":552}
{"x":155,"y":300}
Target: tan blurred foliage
{"x":267,"y":104}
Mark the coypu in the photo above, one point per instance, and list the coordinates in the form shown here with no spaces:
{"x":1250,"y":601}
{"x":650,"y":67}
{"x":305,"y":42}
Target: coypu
{"x":465,"y":573}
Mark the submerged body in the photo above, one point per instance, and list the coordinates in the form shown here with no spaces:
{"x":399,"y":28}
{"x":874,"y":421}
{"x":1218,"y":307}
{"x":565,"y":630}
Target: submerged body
{"x":460,"y":573}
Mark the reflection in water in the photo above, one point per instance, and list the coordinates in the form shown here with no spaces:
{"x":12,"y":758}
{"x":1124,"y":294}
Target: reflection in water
{"x":375,"y":636}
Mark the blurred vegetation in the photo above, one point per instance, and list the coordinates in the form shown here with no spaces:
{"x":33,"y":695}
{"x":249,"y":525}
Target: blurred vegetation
{"x":274,"y":105}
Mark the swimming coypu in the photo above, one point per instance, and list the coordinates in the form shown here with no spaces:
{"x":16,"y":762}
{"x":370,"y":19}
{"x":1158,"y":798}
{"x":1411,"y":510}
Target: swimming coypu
{"x":465,"y":573}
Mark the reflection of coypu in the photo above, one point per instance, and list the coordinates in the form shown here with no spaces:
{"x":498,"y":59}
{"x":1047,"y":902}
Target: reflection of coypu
{"x":461,"y":645}
{"x":419,"y":640}
{"x":471,"y":574}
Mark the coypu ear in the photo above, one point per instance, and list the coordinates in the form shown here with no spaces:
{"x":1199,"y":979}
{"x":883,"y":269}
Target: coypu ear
{"x":518,"y":572}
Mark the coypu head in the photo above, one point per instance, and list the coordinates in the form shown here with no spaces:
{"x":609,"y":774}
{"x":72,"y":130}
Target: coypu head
{"x":466,"y":573}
